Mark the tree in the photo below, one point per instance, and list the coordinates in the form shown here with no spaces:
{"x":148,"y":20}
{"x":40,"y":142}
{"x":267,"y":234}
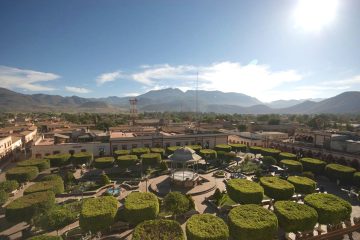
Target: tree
{"x":104,"y":179}
{"x":176,"y":203}
{"x":56,"y":219}
{"x":268,"y":161}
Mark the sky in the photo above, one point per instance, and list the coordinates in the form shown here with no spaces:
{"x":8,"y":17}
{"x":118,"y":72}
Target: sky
{"x":273,"y":49}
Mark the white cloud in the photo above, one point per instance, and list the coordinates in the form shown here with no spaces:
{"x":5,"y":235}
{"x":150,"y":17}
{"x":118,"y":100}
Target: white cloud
{"x":108,"y":77}
{"x":134,"y":94}
{"x":348,"y":81}
{"x":77,"y":89}
{"x":25,"y":79}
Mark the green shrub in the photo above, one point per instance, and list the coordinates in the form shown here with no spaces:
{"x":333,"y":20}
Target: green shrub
{"x":302,"y":185}
{"x":330,"y":208}
{"x":98,"y":214}
{"x":356,"y":180}
{"x":140,"y":206}
{"x":196,"y":148}
{"x":104,"y":162}
{"x":51,"y":177}
{"x":140,"y":151}
{"x":56,"y":218}
{"x":104,"y":180}
{"x":286,"y":155}
{"x":292,"y":166}
{"x":255,"y":150}
{"x":176,"y":203}
{"x":22,"y":174}
{"x":208,"y":154}
{"x":277,"y":188}
{"x":340,"y":172}
{"x":294,"y":217}
{"x":244,"y":191}
{"x":313,"y":165}
{"x":56,"y":186}
{"x":9,"y":185}
{"x":268,"y":161}
{"x":58,"y":160}
{"x":151,"y":159}
{"x":45,"y":237}
{"x":223,"y":147}
{"x":4,"y":196}
{"x":308,"y":175}
{"x":171,"y":150}
{"x":126,"y":161}
{"x":270,"y":152}
{"x":81,"y":158}
{"x":158,"y":150}
{"x":41,"y":164}
{"x":24,"y":208}
{"x":121,"y":153}
{"x":158,"y":229}
{"x":206,"y":227}
{"x":252,"y":222}
{"x":236,"y":147}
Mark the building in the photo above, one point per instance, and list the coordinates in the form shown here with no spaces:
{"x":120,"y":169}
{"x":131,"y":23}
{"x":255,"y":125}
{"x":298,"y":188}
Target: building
{"x":5,"y":147}
{"x":260,"y":139}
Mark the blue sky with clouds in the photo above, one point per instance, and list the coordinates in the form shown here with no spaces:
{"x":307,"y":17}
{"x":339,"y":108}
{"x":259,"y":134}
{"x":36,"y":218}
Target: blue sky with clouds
{"x":278,"y":49}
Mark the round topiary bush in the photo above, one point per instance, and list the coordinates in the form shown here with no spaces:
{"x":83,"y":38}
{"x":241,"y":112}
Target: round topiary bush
{"x":171,"y":150}
{"x":206,"y":227}
{"x":330,"y":208}
{"x":270,"y":152}
{"x":237,"y":147}
{"x":54,"y":185}
{"x":208,"y":154}
{"x":294,"y":217}
{"x":313,"y":165}
{"x":286,"y":155}
{"x":104,"y":162}
{"x":268,"y":160}
{"x":244,"y":191}
{"x":81,"y":158}
{"x":196,"y":148}
{"x":223,"y":147}
{"x":159,"y":229}
{"x":302,"y":185}
{"x":140,"y":206}
{"x":22,"y":174}
{"x":24,"y":208}
{"x":161,"y":151}
{"x":292,"y":166}
{"x":151,"y":159}
{"x":356,"y":180}
{"x":140,"y":151}
{"x":98,"y":213}
{"x":58,"y":160}
{"x":176,"y":203}
{"x":252,"y":222}
{"x":277,"y":188}
{"x":121,"y":153}
{"x":340,"y":172}
{"x":255,"y":150}
{"x":41,"y":164}
{"x":126,"y":161}
{"x":9,"y":185}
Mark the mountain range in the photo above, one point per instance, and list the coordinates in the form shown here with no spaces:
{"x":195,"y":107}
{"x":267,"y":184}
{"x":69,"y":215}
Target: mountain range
{"x":173,"y":99}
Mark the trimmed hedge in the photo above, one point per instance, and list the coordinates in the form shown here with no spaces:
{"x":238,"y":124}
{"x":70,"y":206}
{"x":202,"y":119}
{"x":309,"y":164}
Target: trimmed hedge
{"x":151,"y":159}
{"x":81,"y":158}
{"x":223,"y":147}
{"x":126,"y":161}
{"x":104,"y":162}
{"x":196,"y":148}
{"x":121,"y":152}
{"x":159,"y":229}
{"x":255,"y":150}
{"x":286,"y":155}
{"x":330,"y":208}
{"x":340,"y":172}
{"x":356,"y":180}
{"x":45,"y":237}
{"x":270,"y":152}
{"x":140,"y":206}
{"x":171,"y":150}
{"x":140,"y":151}
{"x":206,"y":227}
{"x":98,"y":213}
{"x":58,"y":160}
{"x":313,"y":165}
{"x":54,"y":185}
{"x":176,"y":203}
{"x":268,"y":160}
{"x":9,"y":185}
{"x":212,"y":154}
{"x":302,"y":185}
{"x":22,"y":174}
{"x":24,"y":208}
{"x":4,"y":196}
{"x":292,"y":166}
{"x":277,"y":188}
{"x":238,"y":147}
{"x":245,"y":191}
{"x":253,"y":222}
{"x":158,"y":150}
{"x":294,"y":217}
{"x":41,"y":164}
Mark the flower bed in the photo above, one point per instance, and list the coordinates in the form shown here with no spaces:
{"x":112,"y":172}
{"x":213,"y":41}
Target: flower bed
{"x":158,"y":229}
{"x":206,"y":227}
{"x":252,"y":222}
{"x":302,"y":185}
{"x":244,"y":191}
{"x":277,"y":188}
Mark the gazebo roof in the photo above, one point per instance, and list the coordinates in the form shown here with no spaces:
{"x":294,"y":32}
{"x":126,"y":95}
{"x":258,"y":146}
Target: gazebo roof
{"x":183,"y":155}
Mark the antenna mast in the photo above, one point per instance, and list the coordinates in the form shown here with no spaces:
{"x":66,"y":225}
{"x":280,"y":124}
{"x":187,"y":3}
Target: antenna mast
{"x":197,"y":102}
{"x":133,"y":109}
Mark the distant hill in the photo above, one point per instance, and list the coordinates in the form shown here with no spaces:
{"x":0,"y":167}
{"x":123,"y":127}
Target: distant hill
{"x":173,"y":99}
{"x":290,"y":103}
